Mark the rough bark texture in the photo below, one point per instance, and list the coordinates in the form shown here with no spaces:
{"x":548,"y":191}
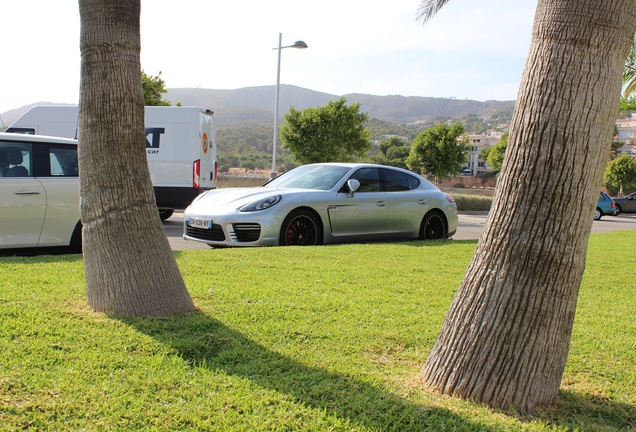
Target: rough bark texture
{"x":129,"y":266}
{"x":505,"y":339}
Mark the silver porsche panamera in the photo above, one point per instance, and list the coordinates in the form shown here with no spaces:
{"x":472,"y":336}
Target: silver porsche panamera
{"x":323,"y":203}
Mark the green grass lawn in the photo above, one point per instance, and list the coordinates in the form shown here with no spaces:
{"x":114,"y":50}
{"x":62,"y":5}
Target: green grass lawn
{"x":292,"y":339}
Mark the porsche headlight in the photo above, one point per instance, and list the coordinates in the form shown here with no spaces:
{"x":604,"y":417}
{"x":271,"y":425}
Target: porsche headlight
{"x":261,"y":204}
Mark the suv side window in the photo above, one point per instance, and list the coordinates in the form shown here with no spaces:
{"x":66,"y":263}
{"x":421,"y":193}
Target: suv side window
{"x":54,"y":160}
{"x":62,"y":161}
{"x":15,"y":159}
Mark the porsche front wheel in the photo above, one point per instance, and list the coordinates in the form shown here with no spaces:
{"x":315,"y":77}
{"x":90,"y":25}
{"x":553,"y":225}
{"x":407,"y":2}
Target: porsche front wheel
{"x":301,"y":228}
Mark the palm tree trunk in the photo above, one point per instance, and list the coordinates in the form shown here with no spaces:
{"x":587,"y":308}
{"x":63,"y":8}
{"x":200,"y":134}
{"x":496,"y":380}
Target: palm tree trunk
{"x":129,"y":266}
{"x":505,"y":339}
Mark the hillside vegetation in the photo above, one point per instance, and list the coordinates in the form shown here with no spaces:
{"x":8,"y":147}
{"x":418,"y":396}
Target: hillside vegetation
{"x":257,"y":103}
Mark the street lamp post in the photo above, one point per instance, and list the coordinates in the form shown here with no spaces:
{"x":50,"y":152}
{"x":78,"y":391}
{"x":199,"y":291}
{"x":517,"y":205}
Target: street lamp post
{"x":297,"y":44}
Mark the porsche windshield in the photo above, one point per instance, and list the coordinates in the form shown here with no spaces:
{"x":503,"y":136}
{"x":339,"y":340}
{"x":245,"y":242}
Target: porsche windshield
{"x":318,"y":177}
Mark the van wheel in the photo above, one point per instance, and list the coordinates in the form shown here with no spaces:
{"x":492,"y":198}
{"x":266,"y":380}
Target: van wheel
{"x":165,"y":213}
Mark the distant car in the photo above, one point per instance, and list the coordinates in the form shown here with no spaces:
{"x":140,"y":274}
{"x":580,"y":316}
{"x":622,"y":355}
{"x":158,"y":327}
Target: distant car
{"x":604,"y":207}
{"x":323,"y":203}
{"x":626,"y":204}
{"x":39,"y":192}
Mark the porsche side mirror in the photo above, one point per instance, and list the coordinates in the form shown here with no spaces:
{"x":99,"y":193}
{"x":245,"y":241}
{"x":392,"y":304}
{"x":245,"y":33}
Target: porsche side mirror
{"x":353,"y":186}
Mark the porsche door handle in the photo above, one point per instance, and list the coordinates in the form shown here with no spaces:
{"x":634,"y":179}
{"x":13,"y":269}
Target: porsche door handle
{"x":27,"y":192}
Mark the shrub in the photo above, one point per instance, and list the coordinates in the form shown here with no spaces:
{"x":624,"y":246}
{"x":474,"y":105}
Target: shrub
{"x":472,"y":202}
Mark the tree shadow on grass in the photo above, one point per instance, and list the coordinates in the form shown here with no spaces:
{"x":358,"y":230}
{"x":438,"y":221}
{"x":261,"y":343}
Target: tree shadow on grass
{"x":206,"y":342}
{"x":586,"y":412}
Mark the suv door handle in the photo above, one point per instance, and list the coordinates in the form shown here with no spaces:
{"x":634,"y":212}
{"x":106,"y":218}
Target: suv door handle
{"x":28,"y":192}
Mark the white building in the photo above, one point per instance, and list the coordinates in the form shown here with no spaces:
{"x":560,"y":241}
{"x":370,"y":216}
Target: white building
{"x":477,"y":143}
{"x":626,"y":129}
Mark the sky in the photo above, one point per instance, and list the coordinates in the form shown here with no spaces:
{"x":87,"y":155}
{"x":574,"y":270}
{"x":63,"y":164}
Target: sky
{"x":469,"y":50}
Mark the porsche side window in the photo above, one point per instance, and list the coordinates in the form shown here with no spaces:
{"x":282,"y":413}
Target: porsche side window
{"x":395,"y":181}
{"x":369,"y":179}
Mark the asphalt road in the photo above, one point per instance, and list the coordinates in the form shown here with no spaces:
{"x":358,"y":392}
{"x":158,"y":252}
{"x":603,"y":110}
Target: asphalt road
{"x":470,"y":228}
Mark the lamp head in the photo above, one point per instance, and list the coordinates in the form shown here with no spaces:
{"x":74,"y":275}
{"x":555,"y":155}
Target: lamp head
{"x":299,"y":44}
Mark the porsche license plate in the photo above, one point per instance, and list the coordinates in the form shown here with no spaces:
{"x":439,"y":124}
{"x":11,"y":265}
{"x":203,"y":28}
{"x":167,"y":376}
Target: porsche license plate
{"x":200,"y":223}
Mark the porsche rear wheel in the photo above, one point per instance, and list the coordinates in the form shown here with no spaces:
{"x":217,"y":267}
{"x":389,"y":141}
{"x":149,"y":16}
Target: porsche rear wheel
{"x":301,"y":228}
{"x":433,"y":226}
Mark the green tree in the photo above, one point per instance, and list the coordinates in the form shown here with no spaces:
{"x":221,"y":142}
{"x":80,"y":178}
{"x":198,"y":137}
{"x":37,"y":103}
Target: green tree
{"x":129,"y":267}
{"x":629,"y":72}
{"x":505,"y":339}
{"x":437,"y":152}
{"x":620,"y":174}
{"x":154,"y":87}
{"x":397,"y":155}
{"x":393,"y":152}
{"x":331,"y":133}
{"x":474,"y":124}
{"x":628,"y":97}
{"x":248,"y":164}
{"x":497,"y":152}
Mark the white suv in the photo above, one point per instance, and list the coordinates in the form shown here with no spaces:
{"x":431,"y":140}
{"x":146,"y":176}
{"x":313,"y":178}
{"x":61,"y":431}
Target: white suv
{"x":39,"y":192}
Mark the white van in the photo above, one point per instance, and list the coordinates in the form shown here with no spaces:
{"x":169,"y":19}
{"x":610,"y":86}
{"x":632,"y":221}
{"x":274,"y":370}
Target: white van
{"x":180,"y":142}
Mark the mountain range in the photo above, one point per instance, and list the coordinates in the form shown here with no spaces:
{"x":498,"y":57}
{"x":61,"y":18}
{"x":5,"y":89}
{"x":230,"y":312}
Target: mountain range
{"x":257,"y":104}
